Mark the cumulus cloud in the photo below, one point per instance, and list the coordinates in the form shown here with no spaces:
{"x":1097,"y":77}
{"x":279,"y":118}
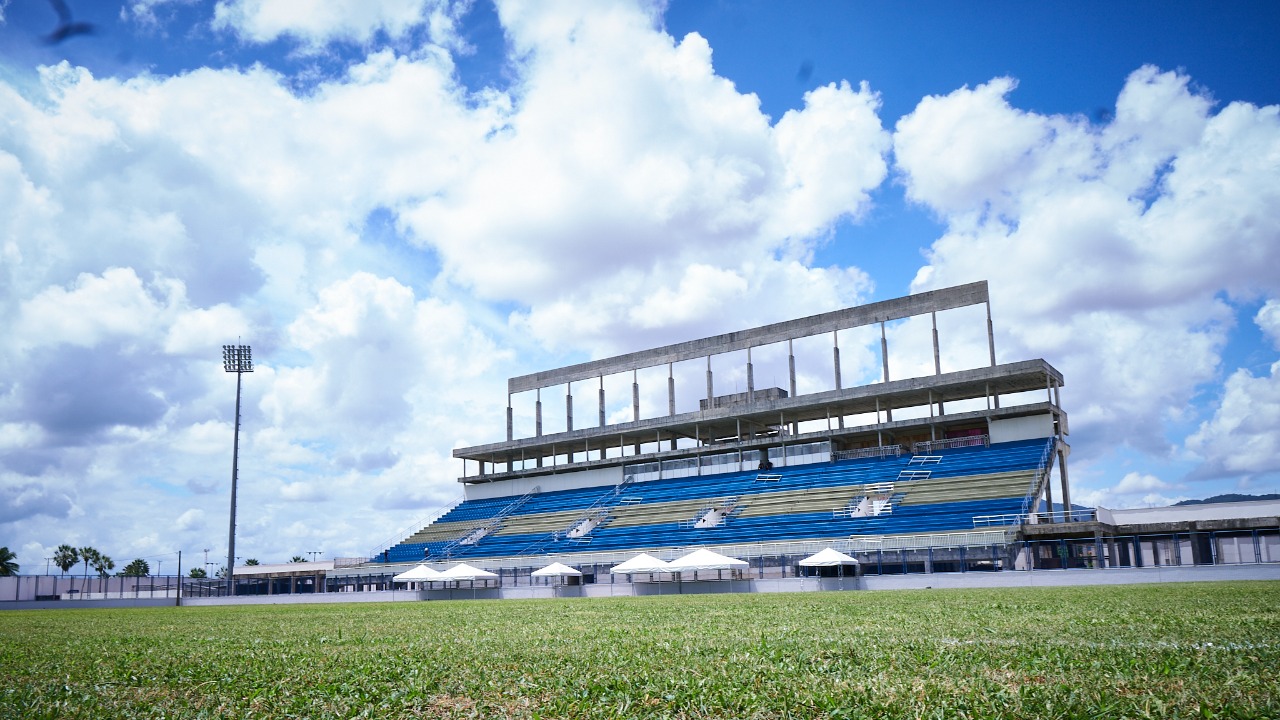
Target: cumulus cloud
{"x":1107,"y":246}
{"x":1268,"y":319}
{"x":315,"y":23}
{"x":1135,"y":489}
{"x":1243,"y":436}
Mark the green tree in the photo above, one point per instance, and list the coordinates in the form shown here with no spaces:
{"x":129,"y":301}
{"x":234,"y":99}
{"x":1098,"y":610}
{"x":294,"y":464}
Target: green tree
{"x":8,"y":562}
{"x":89,"y":555}
{"x":65,"y":557}
{"x":222,"y":572}
{"x":251,"y":561}
{"x":198,"y":573}
{"x":103,"y":565}
{"x":137,"y":568}
{"x":296,"y":559}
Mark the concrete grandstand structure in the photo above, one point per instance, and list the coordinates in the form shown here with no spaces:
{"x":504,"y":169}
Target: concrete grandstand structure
{"x":768,"y":474}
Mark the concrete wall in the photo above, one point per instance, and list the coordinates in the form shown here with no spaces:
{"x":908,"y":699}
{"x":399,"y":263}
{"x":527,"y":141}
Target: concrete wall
{"x":1036,"y":578}
{"x":1192,"y":513}
{"x":1044,"y":578}
{"x":1021,"y":428}
{"x":601,"y":477}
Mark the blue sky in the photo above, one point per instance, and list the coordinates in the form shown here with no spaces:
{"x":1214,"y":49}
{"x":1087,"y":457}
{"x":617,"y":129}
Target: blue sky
{"x":401,"y":204}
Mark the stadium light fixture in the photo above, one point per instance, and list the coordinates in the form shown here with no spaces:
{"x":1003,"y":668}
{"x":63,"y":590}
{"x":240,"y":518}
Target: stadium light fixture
{"x":239,"y":360}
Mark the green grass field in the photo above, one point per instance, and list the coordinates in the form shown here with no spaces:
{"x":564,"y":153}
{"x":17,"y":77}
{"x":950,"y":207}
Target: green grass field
{"x":1162,"y":651}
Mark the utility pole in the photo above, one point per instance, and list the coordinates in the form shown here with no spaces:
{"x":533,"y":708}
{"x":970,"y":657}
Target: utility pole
{"x":239,"y":360}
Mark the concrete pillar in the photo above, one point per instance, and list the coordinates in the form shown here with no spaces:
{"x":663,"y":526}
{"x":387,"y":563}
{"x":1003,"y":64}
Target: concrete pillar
{"x":635,"y":397}
{"x":1062,"y":471}
{"x":602,"y":408}
{"x":568,"y":407}
{"x":791,"y":366}
{"x":937,"y":361}
{"x":991,"y":336}
{"x":835,"y":350}
{"x":884,"y":352}
{"x":510,"y":426}
{"x":710,"y":391}
{"x":671,"y":391}
{"x":751,"y":380}
{"x":1048,"y":496}
{"x":537,"y":414}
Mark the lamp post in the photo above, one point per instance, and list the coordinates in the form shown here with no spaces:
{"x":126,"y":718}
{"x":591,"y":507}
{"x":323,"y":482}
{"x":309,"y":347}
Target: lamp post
{"x":236,"y":359}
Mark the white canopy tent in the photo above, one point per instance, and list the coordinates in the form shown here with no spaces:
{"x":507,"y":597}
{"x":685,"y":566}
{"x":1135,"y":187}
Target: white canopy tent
{"x":830,"y":558}
{"x":642,"y":563}
{"x":422,"y":573}
{"x":463,"y":571}
{"x":558,"y":574}
{"x":556,"y":569}
{"x":704,"y":559}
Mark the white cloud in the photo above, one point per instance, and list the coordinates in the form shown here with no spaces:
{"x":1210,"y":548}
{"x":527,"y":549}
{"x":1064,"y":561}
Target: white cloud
{"x":1135,"y":490}
{"x":1243,"y":436}
{"x":315,"y":23}
{"x":1268,"y":319}
{"x":1107,"y":247}
{"x":112,"y":304}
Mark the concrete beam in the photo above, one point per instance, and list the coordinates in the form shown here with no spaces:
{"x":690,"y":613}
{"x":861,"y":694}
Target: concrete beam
{"x":862,"y":315}
{"x":960,"y":385}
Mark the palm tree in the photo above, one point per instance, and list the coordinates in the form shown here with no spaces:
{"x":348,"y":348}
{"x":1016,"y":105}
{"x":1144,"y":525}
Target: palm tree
{"x":65,"y":557}
{"x":103,"y":564}
{"x":296,"y":559}
{"x":198,"y":573}
{"x":137,"y":568}
{"x":88,"y":554}
{"x":251,"y":561}
{"x":8,"y":562}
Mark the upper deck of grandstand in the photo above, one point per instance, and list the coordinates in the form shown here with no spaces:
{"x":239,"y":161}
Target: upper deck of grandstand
{"x":766,"y":419}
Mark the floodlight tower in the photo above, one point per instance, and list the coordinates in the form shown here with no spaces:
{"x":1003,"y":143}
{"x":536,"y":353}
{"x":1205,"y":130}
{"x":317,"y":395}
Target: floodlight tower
{"x":236,"y":359}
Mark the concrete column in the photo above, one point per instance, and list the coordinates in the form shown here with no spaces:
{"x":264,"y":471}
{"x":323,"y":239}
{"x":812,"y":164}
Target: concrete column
{"x":991,"y":337}
{"x":791,"y":364}
{"x":933,"y":429}
{"x":635,"y":397}
{"x":671,"y":391}
{"x":1057,"y":395}
{"x":835,"y":349}
{"x":1062,"y":471}
{"x":568,"y":406}
{"x":751,"y":380}
{"x":510,"y":426}
{"x":884,"y":352}
{"x":1048,"y":497}
{"x":937,"y":361}
{"x":537,"y":414}
{"x":602,"y":408}
{"x":710,"y":393}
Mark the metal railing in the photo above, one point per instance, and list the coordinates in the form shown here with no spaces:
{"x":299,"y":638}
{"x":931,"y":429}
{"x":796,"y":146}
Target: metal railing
{"x":1066,"y":516}
{"x":951,"y":443}
{"x":871,"y":452}
{"x":1041,"y":475}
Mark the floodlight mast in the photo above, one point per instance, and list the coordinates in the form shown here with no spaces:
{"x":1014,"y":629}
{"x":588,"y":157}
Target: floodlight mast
{"x":239,"y":360}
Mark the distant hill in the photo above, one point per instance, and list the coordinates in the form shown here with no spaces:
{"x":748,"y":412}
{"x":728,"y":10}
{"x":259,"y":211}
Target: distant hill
{"x":1229,"y":497}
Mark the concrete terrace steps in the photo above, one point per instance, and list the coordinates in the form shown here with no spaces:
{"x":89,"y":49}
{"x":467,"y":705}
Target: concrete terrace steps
{"x":798,"y":504}
{"x":968,"y":487}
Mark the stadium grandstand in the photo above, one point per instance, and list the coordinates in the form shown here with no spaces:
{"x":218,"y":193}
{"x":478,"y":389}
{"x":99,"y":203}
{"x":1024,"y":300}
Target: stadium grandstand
{"x":957,"y":459}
